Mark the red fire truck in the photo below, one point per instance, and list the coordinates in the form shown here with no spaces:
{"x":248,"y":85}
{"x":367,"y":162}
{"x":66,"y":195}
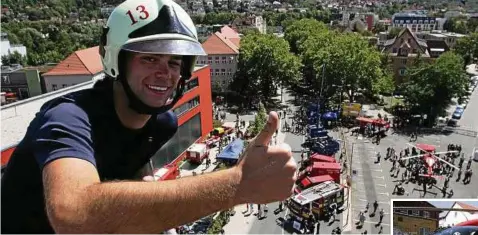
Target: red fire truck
{"x":197,"y":153}
{"x":322,"y":158}
{"x":309,"y":181}
{"x":323,"y":168}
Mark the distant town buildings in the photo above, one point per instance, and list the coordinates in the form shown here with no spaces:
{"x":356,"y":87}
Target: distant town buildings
{"x":415,"y":21}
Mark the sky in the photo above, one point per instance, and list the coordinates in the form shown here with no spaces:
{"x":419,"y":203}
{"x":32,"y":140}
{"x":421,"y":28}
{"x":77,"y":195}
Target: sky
{"x":448,"y":204}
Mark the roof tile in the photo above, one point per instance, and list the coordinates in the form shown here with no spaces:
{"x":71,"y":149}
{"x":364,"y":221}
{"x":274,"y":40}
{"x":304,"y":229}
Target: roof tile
{"x":218,"y":44}
{"x":81,"y":62}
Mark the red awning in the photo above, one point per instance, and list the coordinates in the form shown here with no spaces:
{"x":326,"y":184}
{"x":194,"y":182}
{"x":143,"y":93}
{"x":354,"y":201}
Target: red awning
{"x":426,"y":147}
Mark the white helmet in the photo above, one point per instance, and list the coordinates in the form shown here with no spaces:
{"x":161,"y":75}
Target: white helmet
{"x":149,"y":26}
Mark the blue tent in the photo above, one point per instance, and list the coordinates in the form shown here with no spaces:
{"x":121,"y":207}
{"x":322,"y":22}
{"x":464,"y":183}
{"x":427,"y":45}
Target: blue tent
{"x":232,"y":151}
{"x":329,"y":116}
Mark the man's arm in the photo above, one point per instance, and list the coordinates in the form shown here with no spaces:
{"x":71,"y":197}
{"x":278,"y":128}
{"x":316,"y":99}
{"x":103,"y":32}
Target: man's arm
{"x":78,"y":203}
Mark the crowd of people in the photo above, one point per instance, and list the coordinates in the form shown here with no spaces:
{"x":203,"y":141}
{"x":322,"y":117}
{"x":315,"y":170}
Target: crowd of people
{"x":416,"y":169}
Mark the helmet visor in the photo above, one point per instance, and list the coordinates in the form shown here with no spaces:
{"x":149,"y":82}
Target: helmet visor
{"x":167,"y":47}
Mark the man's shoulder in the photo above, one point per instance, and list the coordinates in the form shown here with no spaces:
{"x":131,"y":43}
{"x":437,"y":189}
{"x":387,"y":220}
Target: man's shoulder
{"x":166,"y":124}
{"x":167,"y":120}
{"x":76,"y":103}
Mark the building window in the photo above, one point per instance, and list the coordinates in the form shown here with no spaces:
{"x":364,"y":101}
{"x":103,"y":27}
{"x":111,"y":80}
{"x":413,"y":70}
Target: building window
{"x":209,"y":60}
{"x":5,"y":79}
{"x":188,"y":133}
{"x":187,"y":106}
{"x":420,"y":21}
{"x":424,"y":231}
{"x":426,"y":214}
{"x":216,"y":72}
{"x":229,"y":72}
{"x":231,"y":59}
{"x":216,"y":59}
{"x":416,"y":212}
{"x":408,"y":21}
{"x":211,"y":72}
{"x":414,"y":21}
{"x":223,"y":72}
{"x":192,"y":83}
{"x":54,"y":87}
{"x":409,"y":40}
{"x":224,"y":60}
{"x":403,"y":72}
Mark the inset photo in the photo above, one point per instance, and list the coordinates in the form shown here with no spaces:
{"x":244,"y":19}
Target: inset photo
{"x":437,"y":217}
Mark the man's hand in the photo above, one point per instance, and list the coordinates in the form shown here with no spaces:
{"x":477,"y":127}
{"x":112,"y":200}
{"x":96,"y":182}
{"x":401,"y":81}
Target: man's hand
{"x":267,"y":172}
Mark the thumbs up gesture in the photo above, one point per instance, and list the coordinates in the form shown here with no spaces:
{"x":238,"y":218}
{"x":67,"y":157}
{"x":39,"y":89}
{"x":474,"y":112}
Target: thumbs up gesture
{"x":267,"y":172}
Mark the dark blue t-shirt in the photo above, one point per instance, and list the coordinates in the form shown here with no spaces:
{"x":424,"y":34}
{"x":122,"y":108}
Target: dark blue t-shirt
{"x":81,"y":125}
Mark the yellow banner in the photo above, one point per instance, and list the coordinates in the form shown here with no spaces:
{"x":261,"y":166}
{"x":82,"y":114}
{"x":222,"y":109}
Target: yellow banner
{"x":351,"y":109}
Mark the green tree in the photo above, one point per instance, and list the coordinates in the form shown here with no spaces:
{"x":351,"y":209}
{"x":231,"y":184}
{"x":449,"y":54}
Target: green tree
{"x":349,"y":62}
{"x":264,"y":63}
{"x":432,"y":86}
{"x":14,"y":58}
{"x":260,"y":120}
{"x":300,"y":30}
{"x":467,"y":47}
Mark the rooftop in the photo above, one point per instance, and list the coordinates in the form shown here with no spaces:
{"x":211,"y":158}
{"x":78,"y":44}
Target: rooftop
{"x":82,"y":62}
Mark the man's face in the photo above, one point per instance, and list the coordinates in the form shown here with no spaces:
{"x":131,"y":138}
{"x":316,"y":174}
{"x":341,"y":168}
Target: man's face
{"x":153,"y":77}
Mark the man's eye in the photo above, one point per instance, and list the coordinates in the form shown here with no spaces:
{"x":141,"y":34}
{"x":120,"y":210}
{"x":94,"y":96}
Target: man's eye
{"x":149,"y":59}
{"x":174,"y":63}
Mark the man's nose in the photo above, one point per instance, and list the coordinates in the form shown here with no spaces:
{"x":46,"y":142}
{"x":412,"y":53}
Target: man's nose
{"x":162,"y":68}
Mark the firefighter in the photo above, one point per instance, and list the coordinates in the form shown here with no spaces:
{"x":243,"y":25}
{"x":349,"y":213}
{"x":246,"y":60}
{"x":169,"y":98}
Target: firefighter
{"x":378,"y":157}
{"x":468,"y":174}
{"x":459,"y":175}
{"x":375,"y":206}
{"x":382,"y":213}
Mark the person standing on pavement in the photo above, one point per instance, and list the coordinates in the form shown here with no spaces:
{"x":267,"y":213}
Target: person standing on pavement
{"x":382,"y":213}
{"x":78,"y":168}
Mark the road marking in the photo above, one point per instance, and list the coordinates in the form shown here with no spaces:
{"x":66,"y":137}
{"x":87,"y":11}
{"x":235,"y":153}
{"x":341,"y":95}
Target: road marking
{"x":373,"y":176}
{"x":357,"y":168}
{"x":388,"y":195}
{"x":382,"y":185}
{"x":363,"y":200}
{"x":373,"y":222}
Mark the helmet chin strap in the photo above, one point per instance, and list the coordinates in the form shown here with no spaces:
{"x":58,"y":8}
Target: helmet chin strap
{"x":141,"y":108}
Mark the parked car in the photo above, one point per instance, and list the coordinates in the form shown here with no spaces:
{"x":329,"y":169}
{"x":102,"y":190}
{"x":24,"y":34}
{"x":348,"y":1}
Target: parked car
{"x":458,"y":112}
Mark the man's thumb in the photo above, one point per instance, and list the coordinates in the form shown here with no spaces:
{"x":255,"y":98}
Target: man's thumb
{"x":268,"y":131}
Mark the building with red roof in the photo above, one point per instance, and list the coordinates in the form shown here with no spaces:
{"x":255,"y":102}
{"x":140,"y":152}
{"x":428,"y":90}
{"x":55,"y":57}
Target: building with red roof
{"x":223,"y":50}
{"x":81,"y":66}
